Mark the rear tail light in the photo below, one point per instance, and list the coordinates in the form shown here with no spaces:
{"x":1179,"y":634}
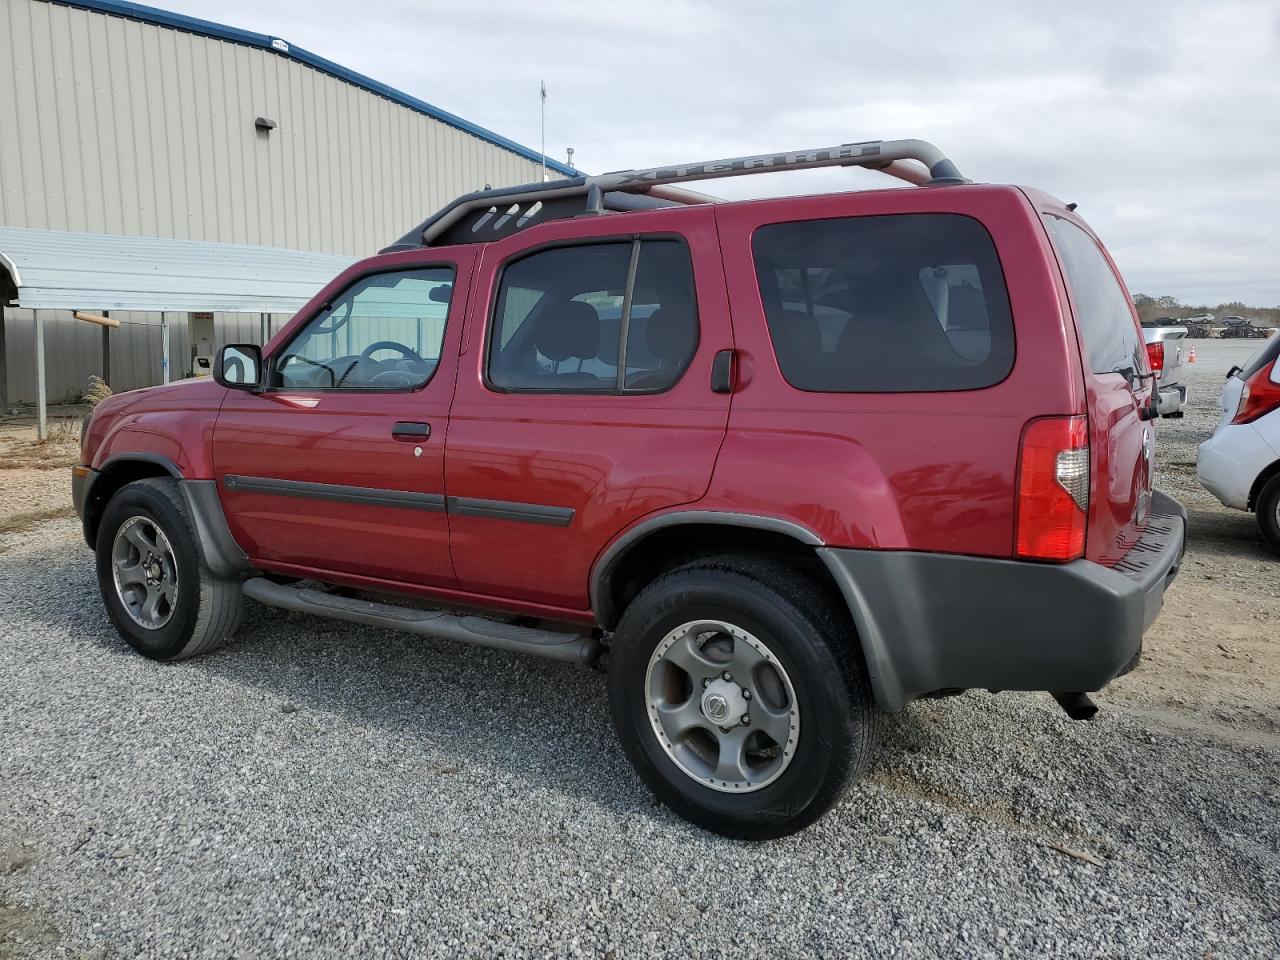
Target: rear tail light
{"x":1155,"y":354}
{"x":1259,"y":397}
{"x":1053,"y":488}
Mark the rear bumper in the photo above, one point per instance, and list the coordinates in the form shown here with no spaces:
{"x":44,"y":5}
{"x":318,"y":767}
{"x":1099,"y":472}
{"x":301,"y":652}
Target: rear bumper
{"x":1171,"y":400}
{"x":1229,"y":462}
{"x":934,"y":622}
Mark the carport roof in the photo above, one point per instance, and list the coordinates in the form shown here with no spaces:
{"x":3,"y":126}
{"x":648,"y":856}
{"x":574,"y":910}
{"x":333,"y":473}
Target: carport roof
{"x":53,"y":270}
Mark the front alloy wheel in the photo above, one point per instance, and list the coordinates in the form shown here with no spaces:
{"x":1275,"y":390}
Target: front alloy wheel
{"x":145,"y":572}
{"x":155,"y":584}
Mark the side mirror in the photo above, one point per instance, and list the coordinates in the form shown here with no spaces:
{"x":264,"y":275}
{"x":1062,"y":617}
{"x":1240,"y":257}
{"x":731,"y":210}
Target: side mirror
{"x":239,"y":366}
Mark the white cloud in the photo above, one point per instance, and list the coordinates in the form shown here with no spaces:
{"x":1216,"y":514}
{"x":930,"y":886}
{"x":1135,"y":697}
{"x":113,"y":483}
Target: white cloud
{"x":1161,"y":119}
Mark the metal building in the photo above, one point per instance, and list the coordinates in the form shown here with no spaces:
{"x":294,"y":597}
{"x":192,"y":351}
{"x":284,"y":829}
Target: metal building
{"x":126,"y":120}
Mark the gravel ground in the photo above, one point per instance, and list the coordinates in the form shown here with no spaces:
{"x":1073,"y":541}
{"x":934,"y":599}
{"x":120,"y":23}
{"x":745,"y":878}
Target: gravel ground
{"x":318,"y":789}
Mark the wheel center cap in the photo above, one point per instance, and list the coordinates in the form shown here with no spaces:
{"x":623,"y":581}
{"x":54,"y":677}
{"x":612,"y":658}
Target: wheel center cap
{"x":716,"y":708}
{"x":154,"y":571}
{"x":723,"y":703}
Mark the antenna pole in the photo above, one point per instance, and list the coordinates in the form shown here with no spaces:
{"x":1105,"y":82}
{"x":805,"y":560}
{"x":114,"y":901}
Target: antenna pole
{"x":544,"y":130}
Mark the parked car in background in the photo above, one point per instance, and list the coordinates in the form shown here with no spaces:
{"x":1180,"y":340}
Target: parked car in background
{"x":1240,"y":463}
{"x":788,"y":461}
{"x":1240,"y":327}
{"x":1165,"y":348}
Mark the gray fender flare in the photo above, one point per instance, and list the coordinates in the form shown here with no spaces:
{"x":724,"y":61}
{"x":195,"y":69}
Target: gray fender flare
{"x":222,"y":554}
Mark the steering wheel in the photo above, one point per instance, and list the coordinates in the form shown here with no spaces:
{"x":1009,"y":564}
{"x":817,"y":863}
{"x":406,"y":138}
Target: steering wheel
{"x":407,"y":352}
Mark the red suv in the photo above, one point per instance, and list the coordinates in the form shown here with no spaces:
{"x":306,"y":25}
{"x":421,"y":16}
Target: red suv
{"x":785,"y":462}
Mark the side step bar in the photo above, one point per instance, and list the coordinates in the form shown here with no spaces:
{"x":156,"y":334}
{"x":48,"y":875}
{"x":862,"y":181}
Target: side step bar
{"x":571,"y":647}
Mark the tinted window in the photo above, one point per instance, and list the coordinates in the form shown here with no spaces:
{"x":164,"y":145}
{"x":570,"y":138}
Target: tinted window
{"x":913,"y":302}
{"x":1103,"y":314}
{"x":1262,"y":357}
{"x":382,"y":333}
{"x":561,"y":314}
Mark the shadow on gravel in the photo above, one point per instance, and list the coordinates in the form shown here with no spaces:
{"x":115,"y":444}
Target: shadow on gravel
{"x":1231,"y":532}
{"x":541,"y":719}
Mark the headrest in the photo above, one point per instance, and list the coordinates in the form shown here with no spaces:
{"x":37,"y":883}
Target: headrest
{"x":568,"y":329}
{"x":967,"y":309}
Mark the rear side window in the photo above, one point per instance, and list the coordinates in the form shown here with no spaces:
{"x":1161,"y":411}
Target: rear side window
{"x":616,"y":317}
{"x":1103,"y":314}
{"x":902,"y":303}
{"x":1262,"y":357}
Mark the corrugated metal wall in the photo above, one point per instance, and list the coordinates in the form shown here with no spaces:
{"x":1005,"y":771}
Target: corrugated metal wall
{"x":110,"y":125}
{"x":73,"y":349}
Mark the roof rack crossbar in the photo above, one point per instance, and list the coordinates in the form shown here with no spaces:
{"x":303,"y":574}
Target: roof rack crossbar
{"x":897,"y":158}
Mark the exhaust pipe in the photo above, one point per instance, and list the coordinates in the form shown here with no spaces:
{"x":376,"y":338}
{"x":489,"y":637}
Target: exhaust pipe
{"x":1078,"y":706}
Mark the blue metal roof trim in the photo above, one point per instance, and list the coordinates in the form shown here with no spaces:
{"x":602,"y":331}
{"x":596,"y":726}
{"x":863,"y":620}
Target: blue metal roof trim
{"x":178,"y":21}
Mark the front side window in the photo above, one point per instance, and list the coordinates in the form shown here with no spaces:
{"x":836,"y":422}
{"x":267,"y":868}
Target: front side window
{"x":1103,"y":314}
{"x":900,"y":303}
{"x":384,"y":332}
{"x":615,"y":317}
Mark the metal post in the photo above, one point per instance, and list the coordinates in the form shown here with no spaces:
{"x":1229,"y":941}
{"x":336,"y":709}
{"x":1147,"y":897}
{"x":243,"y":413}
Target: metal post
{"x":106,"y":351}
{"x":164,"y":348}
{"x":544,"y":130}
{"x":42,"y":423}
{"x":4,"y":365}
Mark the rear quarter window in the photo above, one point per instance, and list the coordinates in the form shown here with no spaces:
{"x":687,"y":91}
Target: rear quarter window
{"x":1262,"y":357}
{"x":1112,"y":343}
{"x":899,"y":303}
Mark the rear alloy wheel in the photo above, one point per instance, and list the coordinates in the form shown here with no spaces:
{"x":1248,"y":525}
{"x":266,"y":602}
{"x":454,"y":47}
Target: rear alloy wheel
{"x":740,"y":697}
{"x":722,"y":706}
{"x":1268,"y":510}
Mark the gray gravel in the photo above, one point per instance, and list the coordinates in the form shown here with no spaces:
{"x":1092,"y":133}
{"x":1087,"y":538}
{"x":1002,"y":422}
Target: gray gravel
{"x":318,"y":789}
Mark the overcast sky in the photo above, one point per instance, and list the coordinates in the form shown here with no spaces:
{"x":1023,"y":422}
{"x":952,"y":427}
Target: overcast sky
{"x":1161,"y":119}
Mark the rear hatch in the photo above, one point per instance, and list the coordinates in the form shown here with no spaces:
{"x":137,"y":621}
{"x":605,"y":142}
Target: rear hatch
{"x":1118,"y":385}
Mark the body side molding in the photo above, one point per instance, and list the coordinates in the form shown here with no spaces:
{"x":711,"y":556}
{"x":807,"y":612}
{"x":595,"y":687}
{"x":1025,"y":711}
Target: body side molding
{"x":337,"y":492}
{"x":511,"y":510}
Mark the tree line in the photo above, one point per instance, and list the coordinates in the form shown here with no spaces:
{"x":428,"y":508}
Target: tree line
{"x":1151,"y":307}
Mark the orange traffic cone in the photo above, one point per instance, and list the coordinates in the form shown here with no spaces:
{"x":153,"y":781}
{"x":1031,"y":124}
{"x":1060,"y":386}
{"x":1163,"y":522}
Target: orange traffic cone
{"x":1191,"y":357}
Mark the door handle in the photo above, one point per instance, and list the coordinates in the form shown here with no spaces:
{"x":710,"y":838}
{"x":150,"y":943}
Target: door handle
{"x":409,"y":430}
{"x":723,"y":372}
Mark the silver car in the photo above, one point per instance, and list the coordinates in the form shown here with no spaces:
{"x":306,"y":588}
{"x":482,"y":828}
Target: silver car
{"x":1166,"y":347}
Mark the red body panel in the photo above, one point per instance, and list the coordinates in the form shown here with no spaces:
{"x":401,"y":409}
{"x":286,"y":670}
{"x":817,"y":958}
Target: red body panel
{"x":1122,"y":467}
{"x":612,"y":459}
{"x":173,"y":422}
{"x":345,"y":438}
{"x":913,"y":471}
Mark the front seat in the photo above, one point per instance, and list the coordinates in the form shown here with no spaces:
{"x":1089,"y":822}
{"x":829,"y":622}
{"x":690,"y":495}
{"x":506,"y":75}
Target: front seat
{"x":567,"y":331}
{"x":670,"y":335}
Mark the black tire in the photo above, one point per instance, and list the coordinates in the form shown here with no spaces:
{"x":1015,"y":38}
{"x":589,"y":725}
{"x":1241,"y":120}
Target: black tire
{"x":206,"y":609}
{"x":1267,"y":508}
{"x":813,"y":641}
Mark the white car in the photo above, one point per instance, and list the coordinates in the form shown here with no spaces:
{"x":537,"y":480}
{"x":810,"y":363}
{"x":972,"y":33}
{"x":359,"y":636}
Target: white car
{"x":1240,"y":463}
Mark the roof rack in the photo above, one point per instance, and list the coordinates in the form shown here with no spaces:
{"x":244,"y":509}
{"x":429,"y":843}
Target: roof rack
{"x":506,"y":210}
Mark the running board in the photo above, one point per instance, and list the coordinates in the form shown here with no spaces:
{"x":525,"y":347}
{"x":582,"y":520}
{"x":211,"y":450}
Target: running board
{"x":571,"y":647}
